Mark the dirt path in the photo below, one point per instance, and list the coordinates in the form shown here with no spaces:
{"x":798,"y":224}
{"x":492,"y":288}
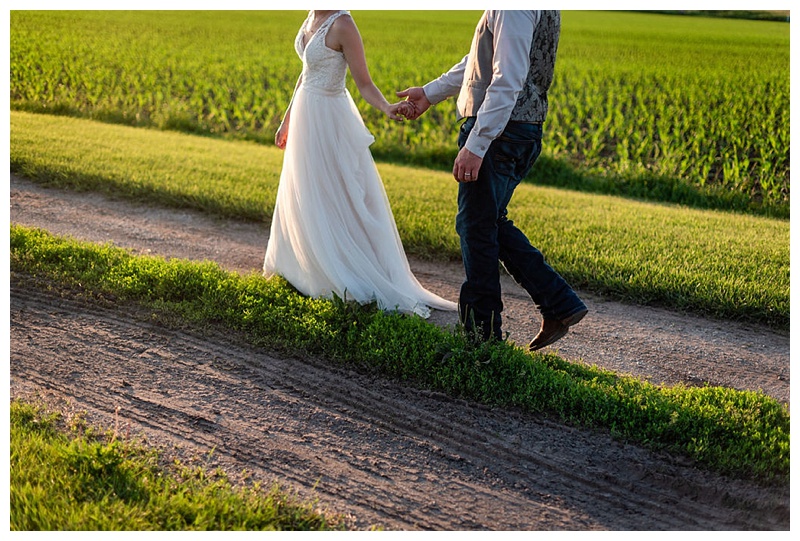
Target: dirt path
{"x":383,"y":453}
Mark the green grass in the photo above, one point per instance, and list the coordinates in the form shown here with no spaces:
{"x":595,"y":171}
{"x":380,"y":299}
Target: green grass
{"x":644,"y":105}
{"x":693,"y":110}
{"x":713,"y":263}
{"x":66,"y":475}
{"x":739,"y":433}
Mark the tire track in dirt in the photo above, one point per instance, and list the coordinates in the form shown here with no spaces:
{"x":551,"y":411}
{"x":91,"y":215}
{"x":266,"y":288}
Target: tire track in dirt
{"x":649,"y":343}
{"x":388,"y":454}
{"x":301,"y":435}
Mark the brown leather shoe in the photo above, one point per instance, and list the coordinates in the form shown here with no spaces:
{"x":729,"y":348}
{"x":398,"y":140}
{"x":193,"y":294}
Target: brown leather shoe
{"x":555,"y":329}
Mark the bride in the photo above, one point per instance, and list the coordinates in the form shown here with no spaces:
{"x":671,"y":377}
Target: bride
{"x":333,"y":231}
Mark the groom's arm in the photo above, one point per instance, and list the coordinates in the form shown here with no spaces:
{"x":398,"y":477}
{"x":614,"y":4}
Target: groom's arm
{"x":447,"y":85}
{"x":513,"y":34}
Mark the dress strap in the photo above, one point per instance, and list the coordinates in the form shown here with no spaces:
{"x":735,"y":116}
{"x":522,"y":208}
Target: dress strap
{"x":329,"y":22}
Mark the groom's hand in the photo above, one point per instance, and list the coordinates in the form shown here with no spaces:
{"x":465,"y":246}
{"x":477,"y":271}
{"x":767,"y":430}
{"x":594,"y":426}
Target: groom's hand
{"x":416,"y":97}
{"x":466,"y":166}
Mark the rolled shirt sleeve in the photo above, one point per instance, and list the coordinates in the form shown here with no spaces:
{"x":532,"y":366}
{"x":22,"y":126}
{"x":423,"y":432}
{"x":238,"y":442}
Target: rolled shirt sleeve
{"x":512,"y":33}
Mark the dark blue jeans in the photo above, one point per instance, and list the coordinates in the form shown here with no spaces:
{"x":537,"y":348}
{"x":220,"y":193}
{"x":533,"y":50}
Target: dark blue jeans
{"x":488,"y":237}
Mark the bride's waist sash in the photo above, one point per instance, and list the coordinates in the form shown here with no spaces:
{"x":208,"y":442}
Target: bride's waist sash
{"x":324,"y":91}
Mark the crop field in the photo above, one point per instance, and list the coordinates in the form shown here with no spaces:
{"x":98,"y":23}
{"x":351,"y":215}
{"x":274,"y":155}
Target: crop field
{"x":691,"y":110}
{"x":664,"y":184}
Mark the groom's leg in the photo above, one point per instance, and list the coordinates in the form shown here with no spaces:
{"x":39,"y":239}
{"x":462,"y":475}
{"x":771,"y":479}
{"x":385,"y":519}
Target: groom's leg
{"x":479,"y":300}
{"x":552,"y":295}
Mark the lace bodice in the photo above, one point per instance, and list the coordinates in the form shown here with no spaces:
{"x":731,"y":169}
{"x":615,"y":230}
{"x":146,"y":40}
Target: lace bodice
{"x":323,"y":68}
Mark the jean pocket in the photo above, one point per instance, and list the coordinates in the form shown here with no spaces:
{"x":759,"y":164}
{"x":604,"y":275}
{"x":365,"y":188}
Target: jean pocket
{"x":512,"y":157}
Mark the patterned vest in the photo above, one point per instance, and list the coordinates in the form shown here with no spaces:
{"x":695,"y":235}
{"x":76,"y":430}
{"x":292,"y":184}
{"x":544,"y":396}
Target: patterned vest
{"x":531,"y":103}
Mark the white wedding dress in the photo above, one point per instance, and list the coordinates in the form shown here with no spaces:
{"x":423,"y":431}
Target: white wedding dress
{"x":333,"y":231}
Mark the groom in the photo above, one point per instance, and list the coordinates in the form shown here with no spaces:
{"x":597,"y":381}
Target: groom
{"x":502,"y":92}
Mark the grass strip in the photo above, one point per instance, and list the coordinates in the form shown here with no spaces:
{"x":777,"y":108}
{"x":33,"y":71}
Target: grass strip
{"x":66,"y":475}
{"x":744,"y":434}
{"x":708,"y":262}
{"x":611,"y":126}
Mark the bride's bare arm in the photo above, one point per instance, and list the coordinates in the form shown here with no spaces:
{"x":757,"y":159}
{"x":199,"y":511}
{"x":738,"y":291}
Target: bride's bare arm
{"x":344,"y":36}
{"x":283,"y":130}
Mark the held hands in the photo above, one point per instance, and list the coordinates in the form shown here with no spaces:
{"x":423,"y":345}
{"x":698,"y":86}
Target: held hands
{"x":417,"y":98}
{"x":416,"y":103}
{"x":400,"y":111}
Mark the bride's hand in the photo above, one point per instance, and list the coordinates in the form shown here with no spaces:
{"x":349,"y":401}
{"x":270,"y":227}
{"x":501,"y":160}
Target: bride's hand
{"x":281,"y":135}
{"x":407,"y":110}
{"x":398,"y":111}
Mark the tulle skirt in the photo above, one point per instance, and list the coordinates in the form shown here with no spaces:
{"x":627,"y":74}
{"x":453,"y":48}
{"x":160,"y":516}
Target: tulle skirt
{"x":333,"y":231}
